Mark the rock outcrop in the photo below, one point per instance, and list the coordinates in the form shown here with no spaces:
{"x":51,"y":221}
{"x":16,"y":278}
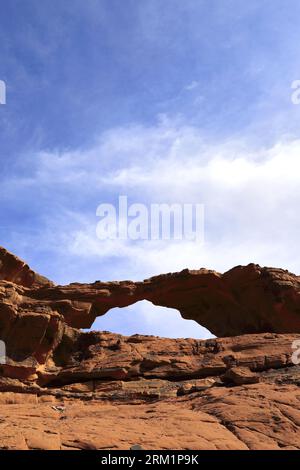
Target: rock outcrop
{"x":15,"y":270}
{"x":246,"y":299}
{"x":226,"y":393}
{"x":237,"y":392}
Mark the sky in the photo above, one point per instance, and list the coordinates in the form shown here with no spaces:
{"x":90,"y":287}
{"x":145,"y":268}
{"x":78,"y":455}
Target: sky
{"x":163,"y":101}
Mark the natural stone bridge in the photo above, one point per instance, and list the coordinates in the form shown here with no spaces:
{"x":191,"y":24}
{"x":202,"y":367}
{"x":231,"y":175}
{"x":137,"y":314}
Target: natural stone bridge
{"x":38,"y":317}
{"x":246,"y":299}
{"x":237,"y":392}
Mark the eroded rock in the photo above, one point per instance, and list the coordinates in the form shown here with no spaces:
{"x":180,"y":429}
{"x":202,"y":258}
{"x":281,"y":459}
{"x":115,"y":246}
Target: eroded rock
{"x":236,"y":392}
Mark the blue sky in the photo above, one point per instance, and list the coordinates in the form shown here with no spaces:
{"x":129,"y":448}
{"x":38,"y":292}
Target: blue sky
{"x":161,"y":100}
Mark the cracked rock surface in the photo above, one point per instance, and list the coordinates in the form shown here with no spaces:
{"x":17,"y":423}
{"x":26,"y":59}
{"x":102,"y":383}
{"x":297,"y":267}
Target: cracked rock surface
{"x":62,"y":388}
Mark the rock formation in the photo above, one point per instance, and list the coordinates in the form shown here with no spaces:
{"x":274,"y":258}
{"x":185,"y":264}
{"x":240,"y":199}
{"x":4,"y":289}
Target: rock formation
{"x":237,"y":392}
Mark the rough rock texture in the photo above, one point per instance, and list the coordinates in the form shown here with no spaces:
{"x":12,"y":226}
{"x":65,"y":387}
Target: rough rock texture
{"x":112,"y":392}
{"x":246,"y":299}
{"x":61,"y":388}
{"x":15,"y":270}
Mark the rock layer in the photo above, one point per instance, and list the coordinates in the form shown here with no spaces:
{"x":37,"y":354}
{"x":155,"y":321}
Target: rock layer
{"x":246,"y":299}
{"x":259,"y":416}
{"x":227,"y":393}
{"x":237,"y":392}
{"x":37,"y":318}
{"x":15,"y":270}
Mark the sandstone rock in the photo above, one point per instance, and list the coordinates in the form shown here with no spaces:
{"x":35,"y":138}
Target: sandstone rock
{"x":47,"y":440}
{"x":165,"y":359}
{"x":258,"y":416}
{"x":62,"y":388}
{"x":246,"y":299}
{"x":262,"y":416}
{"x":15,"y":270}
{"x":38,"y":320}
{"x":240,"y":376}
{"x":196,"y":386}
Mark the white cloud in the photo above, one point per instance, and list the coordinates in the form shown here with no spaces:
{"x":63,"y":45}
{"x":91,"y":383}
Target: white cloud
{"x":192,"y":86}
{"x":251,"y":198}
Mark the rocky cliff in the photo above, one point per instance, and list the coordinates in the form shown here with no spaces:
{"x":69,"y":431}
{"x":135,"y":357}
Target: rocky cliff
{"x":236,"y":392}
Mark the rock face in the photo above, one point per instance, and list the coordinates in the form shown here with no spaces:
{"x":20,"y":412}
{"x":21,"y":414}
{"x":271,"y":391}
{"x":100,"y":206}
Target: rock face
{"x":246,"y":299}
{"x":17,"y":271}
{"x":237,"y":392}
{"x":226,"y":393}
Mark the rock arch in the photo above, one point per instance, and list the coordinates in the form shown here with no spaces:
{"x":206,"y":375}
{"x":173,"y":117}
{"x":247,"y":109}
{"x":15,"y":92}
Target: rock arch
{"x":246,"y":299}
{"x":36,"y":316}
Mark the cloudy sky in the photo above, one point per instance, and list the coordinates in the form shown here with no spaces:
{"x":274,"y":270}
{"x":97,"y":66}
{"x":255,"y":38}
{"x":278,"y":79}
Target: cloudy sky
{"x":165,"y":101}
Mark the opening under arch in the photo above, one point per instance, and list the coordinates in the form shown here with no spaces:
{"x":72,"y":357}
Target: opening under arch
{"x":148,"y":319}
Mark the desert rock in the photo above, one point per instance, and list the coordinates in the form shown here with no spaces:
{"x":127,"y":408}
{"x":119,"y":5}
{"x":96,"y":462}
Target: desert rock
{"x":240,"y":391}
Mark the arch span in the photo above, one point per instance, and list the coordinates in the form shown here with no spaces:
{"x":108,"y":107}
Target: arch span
{"x":246,"y":299}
